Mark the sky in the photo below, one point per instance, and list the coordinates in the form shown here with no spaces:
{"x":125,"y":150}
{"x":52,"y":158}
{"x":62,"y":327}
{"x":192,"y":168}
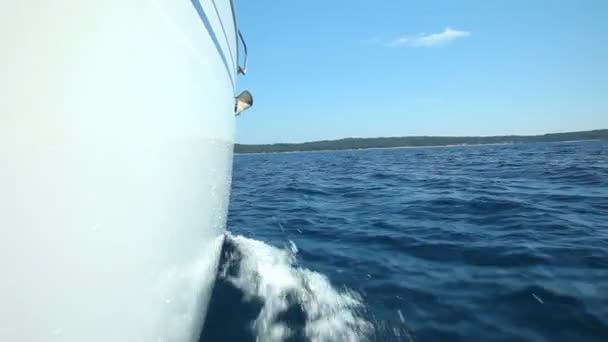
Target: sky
{"x":330,"y":69}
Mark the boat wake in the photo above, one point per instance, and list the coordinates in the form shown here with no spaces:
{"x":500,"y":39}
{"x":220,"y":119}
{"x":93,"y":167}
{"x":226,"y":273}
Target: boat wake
{"x":262,"y":294}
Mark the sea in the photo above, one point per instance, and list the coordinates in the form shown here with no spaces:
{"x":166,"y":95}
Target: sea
{"x":462,"y":243}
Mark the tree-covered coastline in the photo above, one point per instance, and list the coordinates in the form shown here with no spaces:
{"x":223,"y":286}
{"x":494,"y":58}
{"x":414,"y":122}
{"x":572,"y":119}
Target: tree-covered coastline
{"x":419,"y":141}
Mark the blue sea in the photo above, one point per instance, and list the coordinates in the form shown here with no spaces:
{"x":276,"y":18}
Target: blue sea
{"x":465,"y":243}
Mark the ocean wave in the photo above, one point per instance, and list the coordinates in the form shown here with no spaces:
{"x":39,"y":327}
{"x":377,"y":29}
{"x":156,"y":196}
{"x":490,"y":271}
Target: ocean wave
{"x":293,"y":303}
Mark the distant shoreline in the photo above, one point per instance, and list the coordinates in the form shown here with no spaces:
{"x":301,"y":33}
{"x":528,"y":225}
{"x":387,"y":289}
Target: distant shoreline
{"x":386,"y":148}
{"x":416,"y":142}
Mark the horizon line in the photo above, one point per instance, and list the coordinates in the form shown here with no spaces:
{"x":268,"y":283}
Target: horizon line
{"x":422,"y":136}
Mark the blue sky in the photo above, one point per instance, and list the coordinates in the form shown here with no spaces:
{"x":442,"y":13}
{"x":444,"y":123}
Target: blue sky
{"x":327,"y":69}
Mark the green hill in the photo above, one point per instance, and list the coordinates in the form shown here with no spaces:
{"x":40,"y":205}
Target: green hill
{"x":363,"y":143}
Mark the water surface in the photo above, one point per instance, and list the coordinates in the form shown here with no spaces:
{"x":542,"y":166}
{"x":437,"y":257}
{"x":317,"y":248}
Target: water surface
{"x":488,"y":243}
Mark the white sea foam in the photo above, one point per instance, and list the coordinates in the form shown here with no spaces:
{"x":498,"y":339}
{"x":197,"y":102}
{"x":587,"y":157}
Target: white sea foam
{"x":270,"y":274}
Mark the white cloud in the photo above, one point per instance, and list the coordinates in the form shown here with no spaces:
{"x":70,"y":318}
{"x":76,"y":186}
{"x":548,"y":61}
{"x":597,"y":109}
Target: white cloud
{"x":433,"y":39}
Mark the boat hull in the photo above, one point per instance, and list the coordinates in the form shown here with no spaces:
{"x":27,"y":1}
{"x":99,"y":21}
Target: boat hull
{"x":116,"y":136}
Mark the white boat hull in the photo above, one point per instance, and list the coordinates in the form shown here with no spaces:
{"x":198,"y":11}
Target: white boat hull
{"x":116,"y":136}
